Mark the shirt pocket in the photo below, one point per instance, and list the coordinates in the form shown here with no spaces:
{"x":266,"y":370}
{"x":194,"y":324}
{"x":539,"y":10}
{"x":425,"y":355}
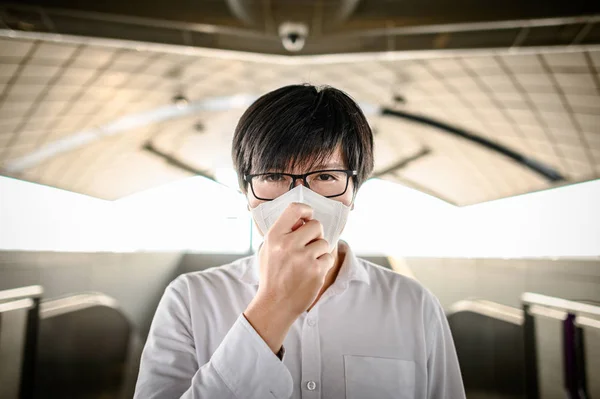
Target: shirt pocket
{"x":379,"y":377}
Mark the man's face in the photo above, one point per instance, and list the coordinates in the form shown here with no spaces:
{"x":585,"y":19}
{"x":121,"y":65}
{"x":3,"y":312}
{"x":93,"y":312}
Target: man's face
{"x":334,"y":162}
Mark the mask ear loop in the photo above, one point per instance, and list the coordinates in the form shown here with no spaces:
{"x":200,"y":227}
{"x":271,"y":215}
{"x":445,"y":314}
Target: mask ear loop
{"x":354,"y":192}
{"x":246,"y":192}
{"x":247,"y":201}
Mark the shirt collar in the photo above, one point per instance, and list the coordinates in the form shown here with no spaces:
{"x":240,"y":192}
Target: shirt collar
{"x":352,"y":268}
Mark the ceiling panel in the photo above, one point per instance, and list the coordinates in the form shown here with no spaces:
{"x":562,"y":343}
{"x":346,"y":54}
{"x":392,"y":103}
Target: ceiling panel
{"x":544,"y":106}
{"x":15,"y":48}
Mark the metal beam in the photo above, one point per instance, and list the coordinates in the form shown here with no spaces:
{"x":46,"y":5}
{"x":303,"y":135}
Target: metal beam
{"x":403,"y":163}
{"x":476,"y":26}
{"x":344,"y":56}
{"x":536,"y":166}
{"x":171,"y":160}
{"x":192,"y":36}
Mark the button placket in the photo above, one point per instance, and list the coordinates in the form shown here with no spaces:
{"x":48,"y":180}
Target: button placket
{"x":311,"y":356}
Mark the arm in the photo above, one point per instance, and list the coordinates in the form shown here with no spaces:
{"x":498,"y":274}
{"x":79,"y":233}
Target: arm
{"x":243,"y":365}
{"x":294,"y":260}
{"x":444,"y":380}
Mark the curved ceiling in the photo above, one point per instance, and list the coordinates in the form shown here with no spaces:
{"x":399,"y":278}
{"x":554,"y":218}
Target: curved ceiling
{"x":98,"y":117}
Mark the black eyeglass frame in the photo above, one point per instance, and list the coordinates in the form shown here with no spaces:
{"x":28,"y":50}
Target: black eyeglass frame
{"x":349,"y":173}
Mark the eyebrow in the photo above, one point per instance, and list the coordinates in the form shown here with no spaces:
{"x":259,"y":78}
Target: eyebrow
{"x":329,"y":166}
{"x":316,"y":167}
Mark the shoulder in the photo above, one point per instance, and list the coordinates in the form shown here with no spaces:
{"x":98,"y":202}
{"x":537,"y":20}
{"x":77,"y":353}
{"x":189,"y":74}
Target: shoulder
{"x":215,"y":278}
{"x":401,"y":288}
{"x":406,"y":296}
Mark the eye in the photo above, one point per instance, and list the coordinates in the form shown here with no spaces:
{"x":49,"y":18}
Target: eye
{"x":325,"y":177}
{"x":272,"y":178}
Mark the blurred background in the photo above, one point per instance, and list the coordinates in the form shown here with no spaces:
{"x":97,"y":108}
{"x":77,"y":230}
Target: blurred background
{"x":116,"y":120}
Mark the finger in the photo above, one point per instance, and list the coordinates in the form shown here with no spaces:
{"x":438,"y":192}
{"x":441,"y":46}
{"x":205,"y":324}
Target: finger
{"x":318,"y":248}
{"x":312,"y":230}
{"x":290,"y":216}
{"x":326,"y":261}
{"x":298,"y":224}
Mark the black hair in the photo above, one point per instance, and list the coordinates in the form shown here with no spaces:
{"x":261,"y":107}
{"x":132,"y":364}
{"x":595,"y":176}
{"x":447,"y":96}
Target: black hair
{"x":302,"y":125}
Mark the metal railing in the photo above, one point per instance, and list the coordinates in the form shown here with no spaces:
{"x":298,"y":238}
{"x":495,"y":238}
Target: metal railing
{"x":25,"y":298}
{"x":489,"y":309}
{"x":72,"y":303}
{"x":573,"y":315}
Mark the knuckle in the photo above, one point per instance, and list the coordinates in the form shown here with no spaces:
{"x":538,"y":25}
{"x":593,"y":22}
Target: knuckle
{"x":276,"y":249}
{"x":327,"y":257}
{"x":295,"y":207}
{"x":284,"y":245}
{"x":317,"y":225}
{"x":315,"y":272}
{"x":270,"y":237}
{"x":276,"y":245}
{"x":299,"y":207}
{"x":312,"y":223}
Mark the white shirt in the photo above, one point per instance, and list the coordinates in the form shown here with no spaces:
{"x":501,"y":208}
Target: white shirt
{"x":373,"y":334}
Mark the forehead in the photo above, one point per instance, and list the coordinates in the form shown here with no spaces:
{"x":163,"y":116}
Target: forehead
{"x":334,"y":161}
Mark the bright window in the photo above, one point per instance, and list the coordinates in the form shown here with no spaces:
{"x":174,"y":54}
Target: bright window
{"x":199,"y":215}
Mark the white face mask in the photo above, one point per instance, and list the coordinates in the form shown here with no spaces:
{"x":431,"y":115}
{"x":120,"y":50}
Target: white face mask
{"x":332,"y":214}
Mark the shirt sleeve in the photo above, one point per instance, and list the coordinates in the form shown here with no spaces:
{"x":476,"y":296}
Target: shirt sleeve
{"x":444,"y":380}
{"x":242,"y":366}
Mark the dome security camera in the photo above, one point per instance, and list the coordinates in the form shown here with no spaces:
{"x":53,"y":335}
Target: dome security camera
{"x":293,"y":35}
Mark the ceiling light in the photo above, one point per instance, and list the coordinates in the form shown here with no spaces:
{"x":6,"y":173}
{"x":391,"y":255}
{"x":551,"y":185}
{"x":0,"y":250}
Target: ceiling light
{"x":199,"y":127}
{"x":180,"y":101}
{"x":399,"y":99}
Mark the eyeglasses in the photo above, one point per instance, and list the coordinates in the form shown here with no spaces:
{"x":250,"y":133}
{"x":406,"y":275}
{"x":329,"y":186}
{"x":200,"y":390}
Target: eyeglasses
{"x":329,"y":183}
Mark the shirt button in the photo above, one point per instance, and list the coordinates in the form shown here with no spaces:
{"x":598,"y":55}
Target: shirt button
{"x":311,"y":385}
{"x":312,"y":322}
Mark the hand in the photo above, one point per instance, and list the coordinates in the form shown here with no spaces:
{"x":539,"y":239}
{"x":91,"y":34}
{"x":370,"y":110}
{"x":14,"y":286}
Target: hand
{"x":294,"y":260}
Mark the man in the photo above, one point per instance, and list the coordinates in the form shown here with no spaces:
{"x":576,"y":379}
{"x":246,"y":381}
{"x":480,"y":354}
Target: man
{"x":303,"y":318}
